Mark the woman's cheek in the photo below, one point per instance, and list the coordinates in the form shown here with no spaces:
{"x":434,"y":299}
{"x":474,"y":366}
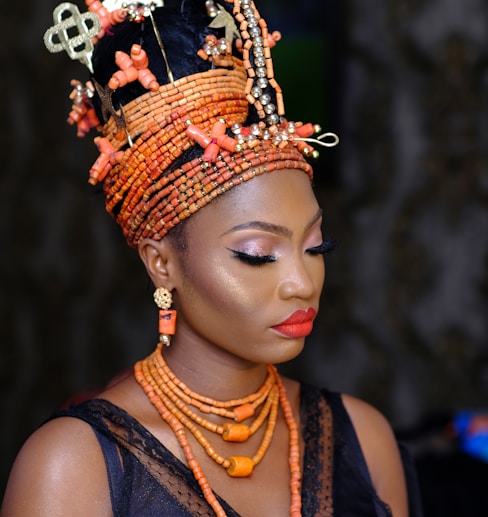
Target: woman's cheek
{"x":234,"y":293}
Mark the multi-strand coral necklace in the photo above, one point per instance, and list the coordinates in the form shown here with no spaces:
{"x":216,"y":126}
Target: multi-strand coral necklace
{"x":183,"y":410}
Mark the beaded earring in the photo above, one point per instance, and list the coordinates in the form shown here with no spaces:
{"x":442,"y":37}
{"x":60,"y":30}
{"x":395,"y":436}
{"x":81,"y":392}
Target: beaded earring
{"x":167,"y":318}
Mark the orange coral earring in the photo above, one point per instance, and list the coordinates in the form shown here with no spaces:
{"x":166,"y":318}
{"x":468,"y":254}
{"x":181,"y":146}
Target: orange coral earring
{"x":167,"y":318}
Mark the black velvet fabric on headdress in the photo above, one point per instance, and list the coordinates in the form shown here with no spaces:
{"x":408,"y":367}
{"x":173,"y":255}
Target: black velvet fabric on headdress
{"x":182,"y":28}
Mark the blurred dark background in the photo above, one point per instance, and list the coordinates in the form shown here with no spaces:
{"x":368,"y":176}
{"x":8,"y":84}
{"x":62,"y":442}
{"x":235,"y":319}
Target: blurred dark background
{"x":404,"y":316}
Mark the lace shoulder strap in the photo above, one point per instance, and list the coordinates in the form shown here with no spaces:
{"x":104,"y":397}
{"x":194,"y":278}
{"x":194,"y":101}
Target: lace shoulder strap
{"x":143,"y":474}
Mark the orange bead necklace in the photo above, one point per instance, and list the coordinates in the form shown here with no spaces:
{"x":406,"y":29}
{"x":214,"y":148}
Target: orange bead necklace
{"x":174,"y":401}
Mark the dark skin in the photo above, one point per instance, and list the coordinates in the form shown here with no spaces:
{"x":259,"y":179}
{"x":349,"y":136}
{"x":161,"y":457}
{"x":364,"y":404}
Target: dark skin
{"x":227,"y":305}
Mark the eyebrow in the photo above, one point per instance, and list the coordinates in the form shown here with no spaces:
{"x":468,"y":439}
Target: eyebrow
{"x":272,"y":228}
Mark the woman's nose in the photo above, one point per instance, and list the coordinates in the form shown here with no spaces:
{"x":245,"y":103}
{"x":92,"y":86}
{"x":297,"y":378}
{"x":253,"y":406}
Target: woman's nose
{"x":300,"y":280}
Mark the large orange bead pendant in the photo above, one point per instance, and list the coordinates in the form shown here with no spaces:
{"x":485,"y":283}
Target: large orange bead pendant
{"x":242,"y":412}
{"x":240,"y":466}
{"x":236,"y":432}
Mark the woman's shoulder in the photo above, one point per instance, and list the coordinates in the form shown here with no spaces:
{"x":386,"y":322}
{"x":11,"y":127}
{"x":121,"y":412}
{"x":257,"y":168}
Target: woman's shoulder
{"x":370,"y":424}
{"x":60,"y":466}
{"x":381,"y":452}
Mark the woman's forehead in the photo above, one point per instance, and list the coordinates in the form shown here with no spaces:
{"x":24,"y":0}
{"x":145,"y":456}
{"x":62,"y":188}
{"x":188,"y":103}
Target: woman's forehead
{"x":279,"y":197}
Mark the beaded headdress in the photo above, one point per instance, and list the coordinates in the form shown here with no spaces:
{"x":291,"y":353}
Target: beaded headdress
{"x":184,"y":95}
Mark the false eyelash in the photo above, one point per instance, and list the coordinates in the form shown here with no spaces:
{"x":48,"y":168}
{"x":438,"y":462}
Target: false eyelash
{"x":253,"y":260}
{"x":327,"y":246}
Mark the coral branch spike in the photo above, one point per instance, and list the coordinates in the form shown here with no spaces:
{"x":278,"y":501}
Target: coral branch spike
{"x":198,"y":135}
{"x":109,"y":156}
{"x":82,"y":111}
{"x":141,"y":62}
{"x":107,"y":18}
{"x":213,"y":143}
{"x":133,"y":68}
{"x":273,"y":38}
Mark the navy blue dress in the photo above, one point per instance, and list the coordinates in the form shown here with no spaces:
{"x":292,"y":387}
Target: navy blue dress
{"x":147,"y":480}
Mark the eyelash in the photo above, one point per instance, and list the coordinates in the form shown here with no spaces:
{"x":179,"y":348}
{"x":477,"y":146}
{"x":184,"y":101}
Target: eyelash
{"x":253,"y":260}
{"x":258,"y":260}
{"x":327,"y":246}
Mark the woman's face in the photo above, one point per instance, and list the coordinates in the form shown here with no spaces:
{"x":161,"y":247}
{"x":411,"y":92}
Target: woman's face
{"x":248,"y":286}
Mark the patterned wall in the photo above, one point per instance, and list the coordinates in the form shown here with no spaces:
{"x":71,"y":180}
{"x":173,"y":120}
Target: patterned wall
{"x":404,"y":319}
{"x":406,"y":307}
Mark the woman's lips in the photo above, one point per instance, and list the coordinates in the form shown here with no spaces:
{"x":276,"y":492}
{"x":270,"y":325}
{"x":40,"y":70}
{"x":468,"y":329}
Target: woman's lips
{"x":299,"y":324}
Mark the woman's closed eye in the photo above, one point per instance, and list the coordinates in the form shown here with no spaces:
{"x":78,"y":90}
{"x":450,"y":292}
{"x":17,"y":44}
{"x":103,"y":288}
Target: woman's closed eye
{"x":252,"y":259}
{"x":327,"y":246}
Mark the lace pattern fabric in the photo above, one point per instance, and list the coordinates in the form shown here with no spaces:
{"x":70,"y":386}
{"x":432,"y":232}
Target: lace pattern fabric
{"x":146,"y":479}
{"x":318,"y":457}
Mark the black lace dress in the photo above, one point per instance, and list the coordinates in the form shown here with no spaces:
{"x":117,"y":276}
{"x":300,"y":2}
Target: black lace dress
{"x":147,"y":480}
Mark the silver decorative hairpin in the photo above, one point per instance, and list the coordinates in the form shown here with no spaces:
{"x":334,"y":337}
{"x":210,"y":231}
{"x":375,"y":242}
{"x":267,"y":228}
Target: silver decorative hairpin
{"x":67,"y":18}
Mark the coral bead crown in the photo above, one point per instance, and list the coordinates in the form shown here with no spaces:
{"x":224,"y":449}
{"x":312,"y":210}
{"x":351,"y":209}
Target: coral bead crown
{"x":185,"y":97}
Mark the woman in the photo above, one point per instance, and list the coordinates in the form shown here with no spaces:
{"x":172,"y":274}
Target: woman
{"x":206,"y":426}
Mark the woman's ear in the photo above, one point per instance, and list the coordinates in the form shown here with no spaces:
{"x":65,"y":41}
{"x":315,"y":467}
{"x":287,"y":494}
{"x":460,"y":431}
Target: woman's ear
{"x":158,"y":258}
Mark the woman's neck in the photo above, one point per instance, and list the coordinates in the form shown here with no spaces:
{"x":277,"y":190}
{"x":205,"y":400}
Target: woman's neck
{"x":211,"y":371}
